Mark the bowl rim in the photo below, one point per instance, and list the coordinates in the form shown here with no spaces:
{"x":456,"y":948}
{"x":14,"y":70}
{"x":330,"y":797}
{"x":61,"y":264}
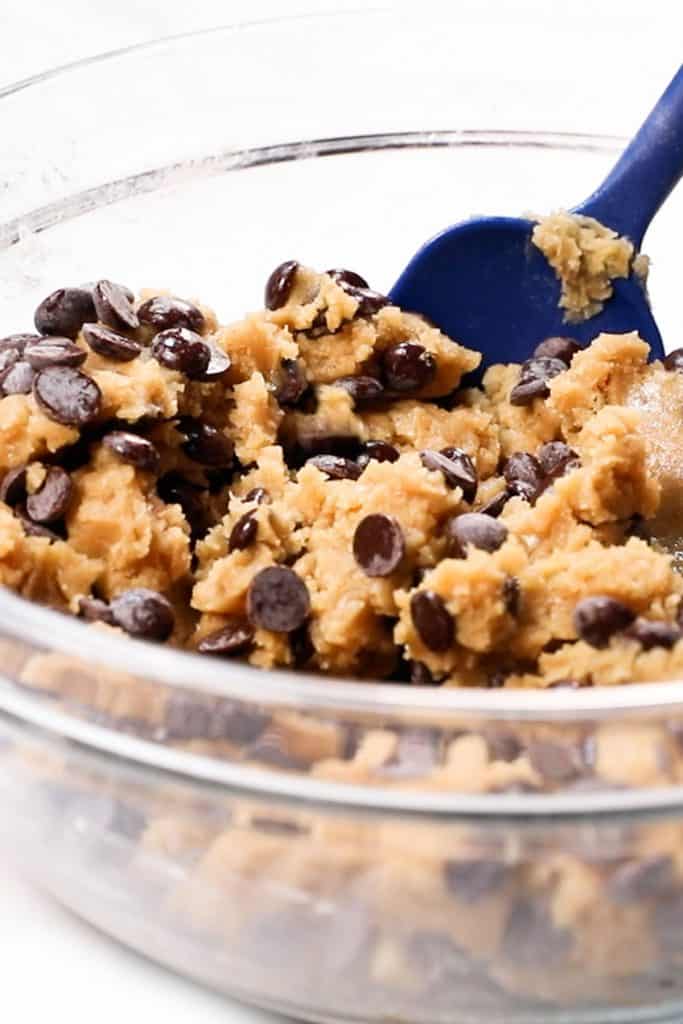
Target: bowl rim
{"x":33,"y":623}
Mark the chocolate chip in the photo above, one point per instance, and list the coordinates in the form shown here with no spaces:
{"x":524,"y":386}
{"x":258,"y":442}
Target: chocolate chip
{"x":243,"y":533}
{"x":415,"y":755}
{"x":8,"y":357}
{"x":420,"y":674}
{"x":174,"y":489}
{"x":556,"y":458}
{"x":474,"y":880}
{"x":232,"y":638}
{"x":292,"y":383}
{"x":597,"y":619}
{"x":557,"y":762}
{"x":143,"y":613}
{"x":189,"y":717}
{"x":344,"y":445}
{"x":110,"y":345}
{"x":347,"y":277}
{"x":277,"y":600}
{"x":280,"y":283}
{"x":16,"y":343}
{"x":362,"y":389}
{"x":378,"y":544}
{"x":512,"y":595}
{"x":219,"y":363}
{"x":114,"y":306}
{"x":32,"y":529}
{"x":369,"y":301}
{"x":164,"y":311}
{"x":377,"y":451}
{"x":495,"y":506}
{"x":408,"y":367}
{"x":50,"y":502}
{"x":17,"y":378}
{"x":653,"y":633}
{"x":473,"y":529}
{"x":205,"y":444}
{"x":674,"y":360}
{"x":557,"y":348}
{"x":257,"y":494}
{"x":432,"y":620}
{"x":638,"y":880}
{"x":533,"y":379}
{"x":301,"y":645}
{"x":457,"y":469}
{"x":182,"y":350}
{"x":132,"y":448}
{"x":271,"y":749}
{"x":65,"y":311}
{"x":503,"y":746}
{"x":530,"y":937}
{"x":92,"y":609}
{"x":13,"y":486}
{"x":67,"y":395}
{"x":335,"y":467}
{"x":54,"y":352}
{"x":524,"y":476}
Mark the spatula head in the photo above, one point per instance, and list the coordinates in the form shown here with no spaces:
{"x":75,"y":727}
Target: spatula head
{"x":485,"y":285}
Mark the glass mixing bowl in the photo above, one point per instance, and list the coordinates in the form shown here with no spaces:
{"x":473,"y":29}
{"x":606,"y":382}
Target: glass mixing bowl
{"x":327,"y":848}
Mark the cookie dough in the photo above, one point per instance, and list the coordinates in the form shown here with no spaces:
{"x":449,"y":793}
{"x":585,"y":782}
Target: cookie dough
{"x":317,"y":487}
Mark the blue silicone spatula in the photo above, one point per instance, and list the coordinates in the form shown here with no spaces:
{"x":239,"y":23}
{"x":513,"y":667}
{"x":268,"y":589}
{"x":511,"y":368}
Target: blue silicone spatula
{"x":484,"y":284}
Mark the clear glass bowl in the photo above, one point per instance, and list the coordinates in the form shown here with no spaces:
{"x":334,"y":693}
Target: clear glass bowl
{"x":334,"y":850}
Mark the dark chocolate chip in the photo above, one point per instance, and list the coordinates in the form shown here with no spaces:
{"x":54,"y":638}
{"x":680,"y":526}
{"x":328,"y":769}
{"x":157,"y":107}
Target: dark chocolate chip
{"x":51,"y":501}
{"x":473,"y":529}
{"x":132,"y":448}
{"x":653,"y":633}
{"x":280,"y":283}
{"x":557,"y":762}
{"x":495,"y":506}
{"x":174,"y":489}
{"x":362,"y":389}
{"x":512,"y":595}
{"x":277,"y":600}
{"x":377,"y":451}
{"x":67,"y":395}
{"x":420,"y":674}
{"x":335,"y":467}
{"x":503,"y":746}
{"x":182,"y":350}
{"x":415,"y":755}
{"x":674,"y":360}
{"x":54,"y":352}
{"x":369,"y":301}
{"x":17,"y":342}
{"x":219,"y":363}
{"x":301,"y":646}
{"x":189,"y":717}
{"x":232,"y":638}
{"x":32,"y":529}
{"x":531,"y":938}
{"x":164,"y":311}
{"x":292,"y":383}
{"x":456,"y":467}
{"x":257,"y":494}
{"x":432,"y":620}
{"x":143,"y":613}
{"x":206,"y":445}
{"x":92,"y":609}
{"x":17,"y":378}
{"x":556,"y":458}
{"x":638,"y":880}
{"x":557,"y":348}
{"x":473,"y":880}
{"x":408,"y":367}
{"x":13,"y":486}
{"x":533,"y":379}
{"x":378,"y":544}
{"x":347,"y":277}
{"x":65,"y":311}
{"x":524,"y":476}
{"x":110,"y":345}
{"x":243,"y":533}
{"x":114,"y":306}
{"x":8,"y":357}
{"x":598,"y":618}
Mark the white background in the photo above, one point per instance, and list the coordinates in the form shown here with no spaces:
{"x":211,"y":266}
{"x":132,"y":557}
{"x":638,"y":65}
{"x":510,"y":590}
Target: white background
{"x":51,"y":963}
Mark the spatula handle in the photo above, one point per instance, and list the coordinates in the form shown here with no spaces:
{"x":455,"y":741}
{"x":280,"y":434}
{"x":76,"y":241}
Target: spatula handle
{"x":646,"y":172}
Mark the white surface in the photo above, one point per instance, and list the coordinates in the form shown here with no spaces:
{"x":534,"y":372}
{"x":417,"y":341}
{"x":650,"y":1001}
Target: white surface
{"x":51,"y":962}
